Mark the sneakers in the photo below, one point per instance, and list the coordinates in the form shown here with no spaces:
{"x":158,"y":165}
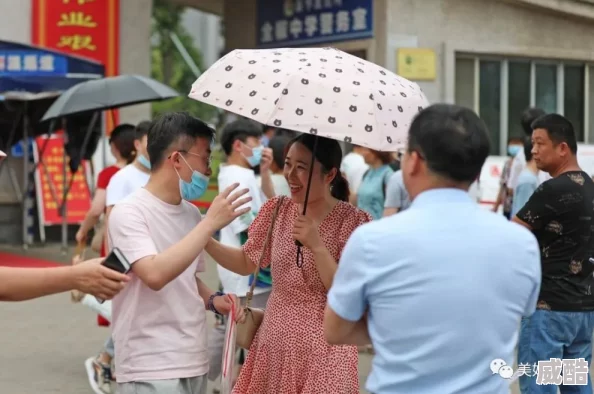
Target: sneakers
{"x":99,"y":376}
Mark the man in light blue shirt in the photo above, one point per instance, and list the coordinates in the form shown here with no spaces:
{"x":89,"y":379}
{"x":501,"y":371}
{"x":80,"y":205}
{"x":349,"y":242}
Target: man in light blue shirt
{"x":527,"y":181}
{"x":441,"y":287}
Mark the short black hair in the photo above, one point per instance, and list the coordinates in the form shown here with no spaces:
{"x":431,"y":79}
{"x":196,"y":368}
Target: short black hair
{"x":122,"y":137}
{"x":240,"y":130}
{"x":528,"y":117}
{"x":278,"y":143}
{"x":559,"y":129}
{"x":142,"y":129}
{"x":174,"y":128}
{"x":528,"y":148}
{"x":453,"y":141}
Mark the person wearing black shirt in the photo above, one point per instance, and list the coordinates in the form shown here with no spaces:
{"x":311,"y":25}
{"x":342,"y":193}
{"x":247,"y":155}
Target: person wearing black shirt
{"x":560,"y":213}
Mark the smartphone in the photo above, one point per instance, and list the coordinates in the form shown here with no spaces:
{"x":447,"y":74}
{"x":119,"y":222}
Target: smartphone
{"x":117,"y":262}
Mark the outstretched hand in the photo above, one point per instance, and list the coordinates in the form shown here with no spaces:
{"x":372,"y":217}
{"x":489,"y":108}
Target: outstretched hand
{"x":226,"y":206}
{"x":93,"y":278}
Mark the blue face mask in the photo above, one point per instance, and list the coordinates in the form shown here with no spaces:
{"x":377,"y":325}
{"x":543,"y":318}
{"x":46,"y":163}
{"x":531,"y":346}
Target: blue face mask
{"x":144,"y":161}
{"x":256,"y":156}
{"x":265,"y":141}
{"x":513,"y":150}
{"x":194,"y":189}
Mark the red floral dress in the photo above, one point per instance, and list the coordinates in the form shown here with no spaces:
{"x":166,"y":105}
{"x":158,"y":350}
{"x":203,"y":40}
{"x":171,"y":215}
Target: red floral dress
{"x":289,"y":354}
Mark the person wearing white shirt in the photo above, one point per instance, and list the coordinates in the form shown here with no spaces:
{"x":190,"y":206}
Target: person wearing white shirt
{"x":278,"y":144}
{"x":519,"y":161}
{"x":241,"y":142}
{"x":353,"y":167}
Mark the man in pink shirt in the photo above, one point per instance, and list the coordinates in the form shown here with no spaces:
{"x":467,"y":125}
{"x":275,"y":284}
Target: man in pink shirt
{"x":159,"y":320}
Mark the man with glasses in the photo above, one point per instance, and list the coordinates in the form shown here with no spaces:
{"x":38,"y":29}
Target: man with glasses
{"x":159,"y":321}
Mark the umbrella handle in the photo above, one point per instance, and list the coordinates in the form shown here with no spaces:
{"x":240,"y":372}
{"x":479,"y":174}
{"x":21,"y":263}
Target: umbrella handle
{"x":310,"y":175}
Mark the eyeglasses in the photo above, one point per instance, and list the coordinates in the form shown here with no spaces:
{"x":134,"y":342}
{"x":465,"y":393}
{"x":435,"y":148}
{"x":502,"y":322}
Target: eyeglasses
{"x":208,"y":158}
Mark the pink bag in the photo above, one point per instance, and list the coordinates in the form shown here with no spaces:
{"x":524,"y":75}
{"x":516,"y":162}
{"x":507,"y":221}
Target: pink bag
{"x":229,"y":351}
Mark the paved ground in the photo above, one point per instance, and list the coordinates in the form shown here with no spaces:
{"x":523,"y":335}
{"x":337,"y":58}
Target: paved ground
{"x":45,"y":342}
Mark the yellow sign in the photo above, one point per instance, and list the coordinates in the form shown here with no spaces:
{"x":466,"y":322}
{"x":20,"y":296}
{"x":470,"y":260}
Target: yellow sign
{"x":417,"y":64}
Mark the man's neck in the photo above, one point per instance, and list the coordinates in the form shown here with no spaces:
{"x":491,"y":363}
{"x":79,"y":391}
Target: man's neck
{"x":570,"y":165}
{"x":235,"y":160}
{"x":141,"y":167}
{"x":161,"y":186}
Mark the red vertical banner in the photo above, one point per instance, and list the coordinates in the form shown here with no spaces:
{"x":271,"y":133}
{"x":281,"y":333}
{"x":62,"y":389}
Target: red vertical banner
{"x":88,"y":28}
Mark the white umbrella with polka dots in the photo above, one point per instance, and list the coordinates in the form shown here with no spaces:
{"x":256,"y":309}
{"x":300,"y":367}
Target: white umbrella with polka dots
{"x":322,"y":91}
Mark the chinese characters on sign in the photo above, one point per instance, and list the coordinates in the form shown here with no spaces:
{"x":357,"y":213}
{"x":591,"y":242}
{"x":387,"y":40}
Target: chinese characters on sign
{"x":303,"y":22}
{"x":49,"y":177}
{"x":32,"y":63}
{"x":568,"y":372}
{"x":88,"y":28}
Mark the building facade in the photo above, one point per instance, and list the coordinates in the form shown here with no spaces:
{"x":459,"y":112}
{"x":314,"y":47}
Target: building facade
{"x":495,"y":56}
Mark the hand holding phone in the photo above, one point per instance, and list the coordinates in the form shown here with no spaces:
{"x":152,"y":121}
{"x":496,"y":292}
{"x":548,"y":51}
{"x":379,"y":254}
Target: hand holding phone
{"x":117,"y":262}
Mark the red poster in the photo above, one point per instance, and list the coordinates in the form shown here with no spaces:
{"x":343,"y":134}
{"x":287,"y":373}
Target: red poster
{"x":88,"y":28}
{"x":49,"y":177}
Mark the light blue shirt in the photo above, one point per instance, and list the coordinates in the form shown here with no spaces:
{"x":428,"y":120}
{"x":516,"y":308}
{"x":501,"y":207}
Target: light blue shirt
{"x":527,"y":183}
{"x":371,"y":193}
{"x":445,"y":283}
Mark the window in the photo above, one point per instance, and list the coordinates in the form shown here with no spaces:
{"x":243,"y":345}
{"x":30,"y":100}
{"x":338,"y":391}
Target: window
{"x":504,"y":88}
{"x":519,"y":96}
{"x":490,"y":101}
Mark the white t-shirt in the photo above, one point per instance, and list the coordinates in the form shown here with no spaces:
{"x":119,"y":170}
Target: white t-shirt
{"x":475,"y":191}
{"x":125,"y":182}
{"x":157,"y":334}
{"x":517,"y":166}
{"x":230,"y":235}
{"x":353,"y":167}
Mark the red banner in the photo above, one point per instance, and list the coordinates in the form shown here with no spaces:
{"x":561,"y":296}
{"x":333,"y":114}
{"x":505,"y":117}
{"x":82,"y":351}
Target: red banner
{"x":89,"y":28}
{"x":49,"y":178}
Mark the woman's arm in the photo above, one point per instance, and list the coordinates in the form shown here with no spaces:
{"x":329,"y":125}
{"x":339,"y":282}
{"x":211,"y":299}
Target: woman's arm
{"x":326,"y":265}
{"x":91,"y":218}
{"x":233,"y":259}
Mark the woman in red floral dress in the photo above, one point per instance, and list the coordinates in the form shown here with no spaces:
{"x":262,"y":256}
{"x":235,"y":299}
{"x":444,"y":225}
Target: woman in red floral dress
{"x":289,"y":354}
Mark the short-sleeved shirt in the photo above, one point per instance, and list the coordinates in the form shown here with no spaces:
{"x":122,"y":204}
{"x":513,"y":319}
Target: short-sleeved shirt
{"x":126,"y":181}
{"x":396,"y":194}
{"x":561,"y":215}
{"x":419,"y":298}
{"x":157,"y":334}
{"x":230,"y":235}
{"x":527,"y":185}
{"x":371,"y":195}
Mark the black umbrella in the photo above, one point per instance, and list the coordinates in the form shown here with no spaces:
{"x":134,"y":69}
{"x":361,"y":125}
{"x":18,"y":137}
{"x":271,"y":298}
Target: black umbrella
{"x":107,"y":93}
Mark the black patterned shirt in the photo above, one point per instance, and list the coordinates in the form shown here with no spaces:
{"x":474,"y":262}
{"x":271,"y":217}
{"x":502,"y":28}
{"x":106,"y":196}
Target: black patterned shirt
{"x":561,"y":214}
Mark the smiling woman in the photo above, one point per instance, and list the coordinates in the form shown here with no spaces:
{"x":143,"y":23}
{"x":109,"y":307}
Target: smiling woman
{"x":302,"y":361}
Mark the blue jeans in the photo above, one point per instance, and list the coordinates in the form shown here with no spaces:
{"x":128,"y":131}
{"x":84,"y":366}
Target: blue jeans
{"x":551,"y":334}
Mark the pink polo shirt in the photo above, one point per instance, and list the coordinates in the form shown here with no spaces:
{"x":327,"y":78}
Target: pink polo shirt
{"x":157,"y":334}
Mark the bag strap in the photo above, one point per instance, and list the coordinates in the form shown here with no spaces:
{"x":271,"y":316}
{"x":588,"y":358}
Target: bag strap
{"x":250,"y":294}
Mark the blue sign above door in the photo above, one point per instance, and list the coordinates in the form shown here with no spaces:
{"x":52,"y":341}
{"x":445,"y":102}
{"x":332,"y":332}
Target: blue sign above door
{"x":285,"y":23}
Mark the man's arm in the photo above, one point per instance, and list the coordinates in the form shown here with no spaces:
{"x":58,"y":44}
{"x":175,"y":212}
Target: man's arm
{"x":20,"y":284}
{"x":92,"y":216}
{"x":129,"y":232}
{"x":344,"y":319}
{"x":541,"y":206}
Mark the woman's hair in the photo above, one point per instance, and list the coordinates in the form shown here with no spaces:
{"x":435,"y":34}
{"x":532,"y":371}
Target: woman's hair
{"x":278,"y":143}
{"x":122,"y":137}
{"x":385,"y":157}
{"x":329,"y":154}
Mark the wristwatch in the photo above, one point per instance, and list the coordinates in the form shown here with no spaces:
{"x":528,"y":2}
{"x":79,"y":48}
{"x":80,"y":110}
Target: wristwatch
{"x":210,"y":305}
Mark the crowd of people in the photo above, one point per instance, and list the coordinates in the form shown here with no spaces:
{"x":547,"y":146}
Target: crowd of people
{"x":394,"y":252}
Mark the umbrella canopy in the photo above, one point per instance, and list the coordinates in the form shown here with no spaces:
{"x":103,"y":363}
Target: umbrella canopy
{"x":108,"y":93}
{"x":322,"y":91}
